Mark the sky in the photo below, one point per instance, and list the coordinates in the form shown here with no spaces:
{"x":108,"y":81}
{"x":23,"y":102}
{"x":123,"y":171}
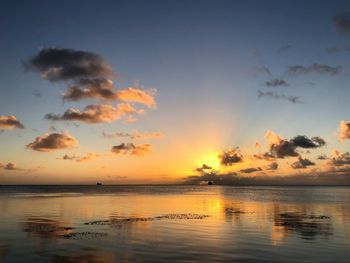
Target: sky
{"x":167,"y":91}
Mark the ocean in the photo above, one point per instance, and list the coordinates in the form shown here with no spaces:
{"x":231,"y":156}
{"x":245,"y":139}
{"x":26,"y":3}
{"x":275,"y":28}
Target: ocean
{"x":153,"y":223}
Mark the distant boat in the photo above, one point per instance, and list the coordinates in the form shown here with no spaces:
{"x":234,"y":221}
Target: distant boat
{"x":210,"y":183}
{"x":99,"y":184}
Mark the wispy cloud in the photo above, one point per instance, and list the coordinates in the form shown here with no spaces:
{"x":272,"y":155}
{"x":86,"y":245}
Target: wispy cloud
{"x":250,"y":170}
{"x":276,"y":83}
{"x":79,"y":158}
{"x":283,"y":49}
{"x":275,"y":95}
{"x":134,"y":135}
{"x":314,"y":68}
{"x":204,"y":168}
{"x":262,"y":69}
{"x":51,"y":142}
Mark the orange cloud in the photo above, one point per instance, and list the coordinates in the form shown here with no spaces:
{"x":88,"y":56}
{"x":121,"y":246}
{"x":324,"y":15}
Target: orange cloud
{"x":95,"y":113}
{"x":344,"y":130}
{"x":101,"y":88}
{"x":273,"y":138}
{"x":10,"y":122}
{"x":132,"y":149}
{"x":133,"y":94}
{"x":85,"y":158}
{"x":51,"y":142}
{"x":10,"y":166}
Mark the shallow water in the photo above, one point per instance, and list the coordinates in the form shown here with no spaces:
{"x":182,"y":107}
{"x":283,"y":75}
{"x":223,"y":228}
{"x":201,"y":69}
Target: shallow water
{"x":178,"y":223}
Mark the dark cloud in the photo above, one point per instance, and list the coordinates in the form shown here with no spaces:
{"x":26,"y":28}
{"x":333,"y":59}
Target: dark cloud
{"x":322,"y":157}
{"x":280,"y":147}
{"x":204,"y":168}
{"x":62,"y":64}
{"x":268,"y":156}
{"x":342,"y":22}
{"x":88,"y":75}
{"x":90,"y":88}
{"x":95,"y":113}
{"x":276,"y":83}
{"x":51,"y":142}
{"x":132,"y":149}
{"x":272,"y":166}
{"x":275,"y":95}
{"x":314,"y":68}
{"x":219,"y":179}
{"x":10,"y":122}
{"x":333,"y":177}
{"x":340,"y":159}
{"x":284,"y":48}
{"x":302,"y":163}
{"x":305,"y":142}
{"x":231,"y":157}
{"x":250,"y":170}
{"x":283,"y":149}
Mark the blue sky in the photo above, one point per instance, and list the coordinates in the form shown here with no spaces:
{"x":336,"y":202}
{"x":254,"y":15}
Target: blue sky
{"x":199,"y":55}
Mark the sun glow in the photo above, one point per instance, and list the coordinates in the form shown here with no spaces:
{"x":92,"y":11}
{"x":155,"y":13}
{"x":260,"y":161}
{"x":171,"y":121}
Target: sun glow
{"x":210,"y":159}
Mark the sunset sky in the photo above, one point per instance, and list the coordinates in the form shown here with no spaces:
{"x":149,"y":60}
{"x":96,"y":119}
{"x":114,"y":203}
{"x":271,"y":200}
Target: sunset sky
{"x":173,"y":91}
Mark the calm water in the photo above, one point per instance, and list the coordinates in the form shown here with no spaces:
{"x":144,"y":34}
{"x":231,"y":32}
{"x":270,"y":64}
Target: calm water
{"x":174,"y":223}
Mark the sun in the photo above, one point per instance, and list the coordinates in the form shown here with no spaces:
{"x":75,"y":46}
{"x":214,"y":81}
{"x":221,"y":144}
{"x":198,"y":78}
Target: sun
{"x":211,"y":159}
